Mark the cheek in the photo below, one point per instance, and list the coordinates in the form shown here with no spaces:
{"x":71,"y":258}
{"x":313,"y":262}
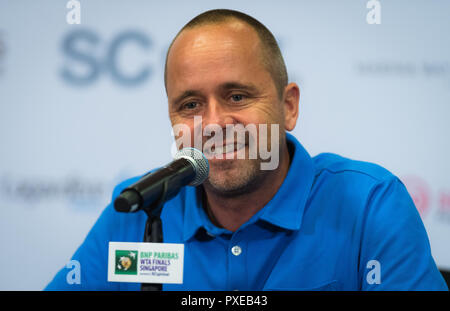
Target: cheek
{"x":183,"y":130}
{"x":269,"y":123}
{"x":265,"y":114}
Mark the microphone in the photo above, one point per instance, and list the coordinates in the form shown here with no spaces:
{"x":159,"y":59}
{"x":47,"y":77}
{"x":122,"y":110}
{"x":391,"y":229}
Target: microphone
{"x":190,"y":167}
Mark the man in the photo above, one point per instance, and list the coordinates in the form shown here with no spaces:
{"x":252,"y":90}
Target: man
{"x":322,"y":223}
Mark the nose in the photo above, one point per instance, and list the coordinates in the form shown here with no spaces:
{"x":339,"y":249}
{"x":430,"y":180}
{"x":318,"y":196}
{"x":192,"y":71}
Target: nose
{"x":217,"y":114}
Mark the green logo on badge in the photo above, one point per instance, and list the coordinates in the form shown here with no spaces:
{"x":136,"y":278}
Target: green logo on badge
{"x":126,"y":262}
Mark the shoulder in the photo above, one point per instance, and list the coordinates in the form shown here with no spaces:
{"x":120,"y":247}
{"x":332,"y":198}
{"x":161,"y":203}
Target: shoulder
{"x":356,"y":185}
{"x":374,"y":209}
{"x":338,"y":165}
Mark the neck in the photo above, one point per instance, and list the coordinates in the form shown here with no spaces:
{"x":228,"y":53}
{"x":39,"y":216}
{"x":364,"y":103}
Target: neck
{"x":231,"y":212}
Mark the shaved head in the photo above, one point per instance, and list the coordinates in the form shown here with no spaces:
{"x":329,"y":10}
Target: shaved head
{"x":271,"y":56}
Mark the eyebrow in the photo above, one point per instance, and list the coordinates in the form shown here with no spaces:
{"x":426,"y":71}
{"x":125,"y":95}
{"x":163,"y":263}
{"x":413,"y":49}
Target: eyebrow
{"x":223,"y":87}
{"x":186,"y":94}
{"x":237,"y":85}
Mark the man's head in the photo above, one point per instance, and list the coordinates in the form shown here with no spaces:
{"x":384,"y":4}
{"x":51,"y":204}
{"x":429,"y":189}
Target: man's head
{"x":271,"y":56}
{"x":226,"y":67}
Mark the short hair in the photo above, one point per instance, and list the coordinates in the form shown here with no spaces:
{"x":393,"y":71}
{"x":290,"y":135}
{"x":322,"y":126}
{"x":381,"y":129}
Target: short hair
{"x":271,"y":54}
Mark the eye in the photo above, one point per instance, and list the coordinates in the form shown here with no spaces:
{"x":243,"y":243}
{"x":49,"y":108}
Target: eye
{"x":190,"y":105}
{"x":237,"y":97}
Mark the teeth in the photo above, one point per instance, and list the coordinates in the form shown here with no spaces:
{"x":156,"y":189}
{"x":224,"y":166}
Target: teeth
{"x":230,"y":148}
{"x":223,"y":149}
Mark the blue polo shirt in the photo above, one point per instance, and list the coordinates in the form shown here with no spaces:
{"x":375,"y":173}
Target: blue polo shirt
{"x":334,"y":224}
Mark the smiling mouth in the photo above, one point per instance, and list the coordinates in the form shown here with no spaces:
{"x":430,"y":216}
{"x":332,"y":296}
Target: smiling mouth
{"x":226,"y":152}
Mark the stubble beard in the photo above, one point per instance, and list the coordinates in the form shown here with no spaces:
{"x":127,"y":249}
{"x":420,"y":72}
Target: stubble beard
{"x":236,"y":177}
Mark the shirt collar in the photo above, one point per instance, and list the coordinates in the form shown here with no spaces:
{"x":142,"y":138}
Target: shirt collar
{"x":286,"y":208}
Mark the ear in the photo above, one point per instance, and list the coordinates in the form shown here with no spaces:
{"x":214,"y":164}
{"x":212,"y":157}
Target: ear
{"x":291,"y":101}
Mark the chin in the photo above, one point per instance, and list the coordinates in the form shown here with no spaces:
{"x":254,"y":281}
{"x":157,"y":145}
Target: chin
{"x":231,"y":178}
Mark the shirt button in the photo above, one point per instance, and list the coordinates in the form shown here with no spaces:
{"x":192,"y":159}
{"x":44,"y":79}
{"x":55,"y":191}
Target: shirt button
{"x":236,"y":250}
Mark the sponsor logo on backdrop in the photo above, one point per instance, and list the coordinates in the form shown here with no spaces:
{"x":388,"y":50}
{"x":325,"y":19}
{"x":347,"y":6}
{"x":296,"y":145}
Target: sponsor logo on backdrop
{"x":427,"y":200}
{"x":420,"y":193}
{"x":76,"y":192}
{"x":405,"y":69}
{"x":89,"y":57}
{"x":443,"y":211}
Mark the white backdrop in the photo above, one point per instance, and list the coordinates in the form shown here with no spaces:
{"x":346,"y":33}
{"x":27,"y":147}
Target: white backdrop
{"x":83,"y":106}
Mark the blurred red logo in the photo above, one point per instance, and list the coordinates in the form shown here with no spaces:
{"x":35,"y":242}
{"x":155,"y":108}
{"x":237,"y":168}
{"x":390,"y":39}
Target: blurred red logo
{"x":419,"y":191}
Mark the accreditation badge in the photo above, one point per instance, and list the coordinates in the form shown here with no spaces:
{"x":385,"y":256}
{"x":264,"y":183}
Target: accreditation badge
{"x":160,"y":263}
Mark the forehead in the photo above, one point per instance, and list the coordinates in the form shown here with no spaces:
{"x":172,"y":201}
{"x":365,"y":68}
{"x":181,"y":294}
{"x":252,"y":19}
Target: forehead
{"x":217,"y":32}
{"x":222,"y":45}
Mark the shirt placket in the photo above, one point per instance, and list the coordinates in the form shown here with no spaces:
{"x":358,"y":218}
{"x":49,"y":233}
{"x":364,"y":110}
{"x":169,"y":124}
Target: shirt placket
{"x":237,"y":259}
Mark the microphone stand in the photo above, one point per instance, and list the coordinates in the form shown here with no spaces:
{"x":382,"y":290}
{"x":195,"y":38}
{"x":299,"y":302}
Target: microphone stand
{"x":153,"y":230}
